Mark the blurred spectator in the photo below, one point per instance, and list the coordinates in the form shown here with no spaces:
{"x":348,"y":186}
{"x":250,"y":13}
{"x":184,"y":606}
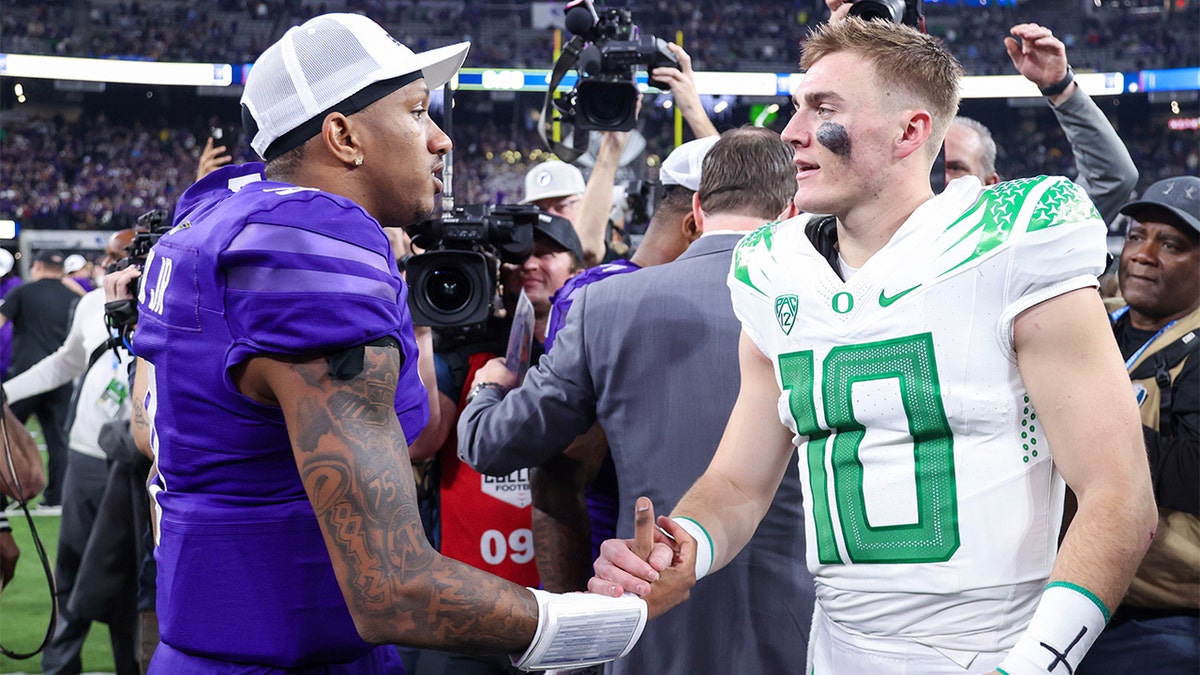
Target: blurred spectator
{"x":78,"y":270}
{"x":8,"y":281}
{"x":40,"y":313}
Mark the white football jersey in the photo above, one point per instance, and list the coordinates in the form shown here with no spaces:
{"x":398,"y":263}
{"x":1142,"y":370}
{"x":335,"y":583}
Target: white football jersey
{"x":932,"y":505}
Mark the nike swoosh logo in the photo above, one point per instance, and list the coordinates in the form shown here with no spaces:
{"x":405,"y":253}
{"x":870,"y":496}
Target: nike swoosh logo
{"x":886,"y":300}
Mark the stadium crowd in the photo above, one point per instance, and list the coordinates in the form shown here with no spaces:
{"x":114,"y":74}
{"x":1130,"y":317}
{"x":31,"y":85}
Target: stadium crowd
{"x":100,"y":173}
{"x":721,"y":36}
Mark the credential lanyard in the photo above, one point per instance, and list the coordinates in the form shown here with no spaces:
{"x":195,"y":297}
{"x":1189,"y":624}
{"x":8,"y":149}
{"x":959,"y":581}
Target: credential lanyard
{"x":1136,"y":355}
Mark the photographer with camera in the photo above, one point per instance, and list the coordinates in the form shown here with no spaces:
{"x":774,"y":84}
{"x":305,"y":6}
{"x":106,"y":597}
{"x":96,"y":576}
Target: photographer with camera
{"x":283,"y":390}
{"x":102,"y":396}
{"x":606,"y":48}
{"x":485,"y":521}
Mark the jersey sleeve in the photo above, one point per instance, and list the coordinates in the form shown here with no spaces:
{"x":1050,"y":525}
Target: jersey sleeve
{"x":752,"y":281}
{"x":309,"y":276}
{"x":1063,"y":248}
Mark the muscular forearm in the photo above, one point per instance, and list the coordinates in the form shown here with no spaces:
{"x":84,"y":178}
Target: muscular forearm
{"x":561,"y":525}
{"x":727,"y":513}
{"x":398,"y":589}
{"x":597,"y":199}
{"x":699,"y":122}
{"x":139,"y":421}
{"x":348,"y":445}
{"x":1105,"y":542}
{"x":562,"y":543}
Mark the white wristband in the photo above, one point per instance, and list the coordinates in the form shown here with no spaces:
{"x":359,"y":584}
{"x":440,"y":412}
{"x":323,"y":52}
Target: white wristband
{"x":1068,"y":620}
{"x":704,"y":544}
{"x":582,"y":629}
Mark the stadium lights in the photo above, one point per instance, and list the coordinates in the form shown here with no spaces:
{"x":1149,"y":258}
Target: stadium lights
{"x":113,"y":70}
{"x":713,"y":83}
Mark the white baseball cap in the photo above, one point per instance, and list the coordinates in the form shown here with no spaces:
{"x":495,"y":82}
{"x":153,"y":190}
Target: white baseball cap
{"x":74,"y":263}
{"x":6,"y":261}
{"x":682,"y":166}
{"x":552,"y":179}
{"x":331,"y":63}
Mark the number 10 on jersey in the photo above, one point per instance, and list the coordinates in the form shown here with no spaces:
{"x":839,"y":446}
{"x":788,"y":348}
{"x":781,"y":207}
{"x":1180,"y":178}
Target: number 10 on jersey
{"x":933,"y":537}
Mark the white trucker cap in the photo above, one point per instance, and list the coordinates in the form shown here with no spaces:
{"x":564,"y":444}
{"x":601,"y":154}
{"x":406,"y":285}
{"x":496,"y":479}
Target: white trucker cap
{"x":331,"y":63}
{"x":682,"y":166}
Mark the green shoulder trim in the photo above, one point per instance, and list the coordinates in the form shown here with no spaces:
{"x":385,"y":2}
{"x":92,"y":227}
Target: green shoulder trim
{"x":1062,"y":202}
{"x":751,"y":251}
{"x":1000,"y":205}
{"x":1085,"y":593}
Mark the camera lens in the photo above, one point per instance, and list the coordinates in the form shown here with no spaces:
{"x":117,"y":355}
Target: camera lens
{"x":448,"y":289}
{"x":607,"y":105}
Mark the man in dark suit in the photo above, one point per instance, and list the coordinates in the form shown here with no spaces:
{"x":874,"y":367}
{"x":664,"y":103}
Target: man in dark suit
{"x":632,"y":342}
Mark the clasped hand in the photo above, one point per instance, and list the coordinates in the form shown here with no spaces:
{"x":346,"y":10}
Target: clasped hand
{"x":658,"y":564}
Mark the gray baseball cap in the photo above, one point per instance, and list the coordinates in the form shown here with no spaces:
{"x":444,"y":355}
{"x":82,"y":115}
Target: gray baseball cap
{"x":1179,"y":196}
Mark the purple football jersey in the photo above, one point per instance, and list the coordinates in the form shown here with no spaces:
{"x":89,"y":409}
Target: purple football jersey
{"x":253,"y":267}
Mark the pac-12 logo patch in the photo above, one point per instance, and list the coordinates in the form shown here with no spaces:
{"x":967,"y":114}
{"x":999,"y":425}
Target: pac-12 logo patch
{"x":786,"y":307}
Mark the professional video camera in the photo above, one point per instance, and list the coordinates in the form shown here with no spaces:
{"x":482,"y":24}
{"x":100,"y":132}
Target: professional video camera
{"x":907,"y":12}
{"x":606,"y":50}
{"x":453,"y":283}
{"x":122,"y":314}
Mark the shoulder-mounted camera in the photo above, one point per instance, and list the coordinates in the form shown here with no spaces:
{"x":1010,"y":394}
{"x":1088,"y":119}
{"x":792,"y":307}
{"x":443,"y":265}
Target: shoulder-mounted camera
{"x":607,"y":50}
{"x":454,"y":282}
{"x":150,"y":226}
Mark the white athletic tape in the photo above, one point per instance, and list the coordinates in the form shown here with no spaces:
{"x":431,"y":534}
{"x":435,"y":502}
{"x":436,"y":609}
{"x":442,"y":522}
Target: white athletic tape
{"x":582,"y":629}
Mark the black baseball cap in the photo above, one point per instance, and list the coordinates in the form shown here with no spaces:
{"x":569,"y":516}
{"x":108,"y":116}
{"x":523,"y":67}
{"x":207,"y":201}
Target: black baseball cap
{"x":49,"y":256}
{"x":560,"y":231}
{"x":1179,"y":196}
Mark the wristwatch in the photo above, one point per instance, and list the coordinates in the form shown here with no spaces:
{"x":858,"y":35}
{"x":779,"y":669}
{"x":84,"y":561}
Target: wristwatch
{"x":1060,"y":86}
{"x":486,"y":385}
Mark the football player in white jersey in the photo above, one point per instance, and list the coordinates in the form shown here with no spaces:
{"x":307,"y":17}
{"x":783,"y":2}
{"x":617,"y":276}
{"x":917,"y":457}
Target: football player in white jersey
{"x":942,"y":364}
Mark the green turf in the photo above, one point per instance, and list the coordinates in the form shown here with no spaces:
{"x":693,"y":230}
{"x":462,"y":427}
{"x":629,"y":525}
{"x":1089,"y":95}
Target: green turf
{"x":25,"y":602}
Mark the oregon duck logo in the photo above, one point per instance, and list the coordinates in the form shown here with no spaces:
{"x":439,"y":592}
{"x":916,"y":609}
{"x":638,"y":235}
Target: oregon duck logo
{"x":786,"y":307}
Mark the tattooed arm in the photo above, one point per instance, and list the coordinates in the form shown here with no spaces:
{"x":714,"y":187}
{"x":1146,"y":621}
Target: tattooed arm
{"x":562,"y":530}
{"x":348,"y":445}
{"x":139,"y":422}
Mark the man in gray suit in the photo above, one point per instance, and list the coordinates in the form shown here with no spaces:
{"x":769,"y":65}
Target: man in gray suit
{"x":633,"y":343}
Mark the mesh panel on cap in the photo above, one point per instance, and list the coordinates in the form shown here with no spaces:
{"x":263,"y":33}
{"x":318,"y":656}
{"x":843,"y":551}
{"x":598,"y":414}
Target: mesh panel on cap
{"x":334,"y":64}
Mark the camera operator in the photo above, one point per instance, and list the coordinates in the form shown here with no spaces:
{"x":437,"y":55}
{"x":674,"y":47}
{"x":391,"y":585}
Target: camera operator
{"x":486,"y":522}
{"x":558,"y":187}
{"x":281,"y":274}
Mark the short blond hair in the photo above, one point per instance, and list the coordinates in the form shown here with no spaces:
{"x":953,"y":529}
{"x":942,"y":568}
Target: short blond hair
{"x":913,"y":63}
